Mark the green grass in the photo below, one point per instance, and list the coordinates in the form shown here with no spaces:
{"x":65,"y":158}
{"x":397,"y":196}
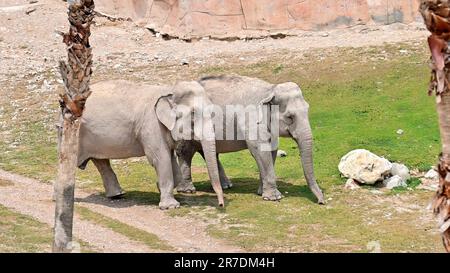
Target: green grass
{"x":22,"y":234}
{"x":359,"y":98}
{"x":136,"y":234}
{"x":19,"y":233}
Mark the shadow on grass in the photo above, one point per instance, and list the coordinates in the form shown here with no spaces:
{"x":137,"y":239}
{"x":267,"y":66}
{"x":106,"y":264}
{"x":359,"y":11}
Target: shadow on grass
{"x":249,"y":185}
{"x":204,"y":197}
{"x":143,"y":198}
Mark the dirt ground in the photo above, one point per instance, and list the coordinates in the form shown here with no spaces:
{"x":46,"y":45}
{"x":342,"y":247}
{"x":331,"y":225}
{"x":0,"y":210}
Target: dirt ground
{"x":29,"y":45}
{"x":29,"y":54}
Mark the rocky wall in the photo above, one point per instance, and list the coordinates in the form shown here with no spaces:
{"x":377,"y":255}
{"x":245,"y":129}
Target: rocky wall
{"x":249,"y":18}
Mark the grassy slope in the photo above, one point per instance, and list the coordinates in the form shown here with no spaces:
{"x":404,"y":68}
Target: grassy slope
{"x":359,"y":99}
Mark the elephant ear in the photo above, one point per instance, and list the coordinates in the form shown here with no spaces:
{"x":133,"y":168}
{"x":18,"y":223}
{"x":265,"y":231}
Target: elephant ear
{"x":165,"y":112}
{"x":265,"y":102}
{"x":269,"y":98}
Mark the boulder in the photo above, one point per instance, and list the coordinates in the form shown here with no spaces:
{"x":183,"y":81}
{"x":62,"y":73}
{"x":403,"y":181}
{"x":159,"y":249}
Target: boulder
{"x":364,"y":167}
{"x":394,"y":182}
{"x":400,"y":170}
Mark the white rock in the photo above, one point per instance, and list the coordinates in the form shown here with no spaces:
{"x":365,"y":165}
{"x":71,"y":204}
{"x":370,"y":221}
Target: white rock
{"x":394,"y":182}
{"x":364,"y":166}
{"x":400,"y":170}
{"x":351,"y":185}
{"x":400,"y":132}
{"x":281,"y":153}
{"x":432,"y":174}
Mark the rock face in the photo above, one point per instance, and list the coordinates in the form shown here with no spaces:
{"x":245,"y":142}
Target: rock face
{"x":255,"y":18}
{"x":364,"y":167}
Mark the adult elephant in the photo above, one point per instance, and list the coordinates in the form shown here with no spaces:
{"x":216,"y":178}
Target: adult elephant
{"x":123,"y":119}
{"x":293,"y":122}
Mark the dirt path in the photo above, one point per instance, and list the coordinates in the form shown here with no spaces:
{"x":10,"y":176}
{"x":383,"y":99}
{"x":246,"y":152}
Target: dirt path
{"x":31,"y":197}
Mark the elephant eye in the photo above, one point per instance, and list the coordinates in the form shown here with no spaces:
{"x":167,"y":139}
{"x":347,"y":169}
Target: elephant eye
{"x":289,"y":118}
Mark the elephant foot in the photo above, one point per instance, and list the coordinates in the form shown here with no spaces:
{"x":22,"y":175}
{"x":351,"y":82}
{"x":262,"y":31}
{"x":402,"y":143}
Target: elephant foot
{"x":116,"y":194}
{"x":169,"y":203}
{"x":226,"y":183}
{"x":186,"y":187}
{"x":272,"y":195}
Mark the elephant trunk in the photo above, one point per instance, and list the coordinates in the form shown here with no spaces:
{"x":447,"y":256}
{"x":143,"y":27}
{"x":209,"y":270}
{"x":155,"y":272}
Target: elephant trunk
{"x":209,"y":149}
{"x":304,"y":141}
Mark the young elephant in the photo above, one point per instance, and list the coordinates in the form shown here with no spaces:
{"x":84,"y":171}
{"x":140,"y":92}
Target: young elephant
{"x":293,"y":123}
{"x":124,"y":119}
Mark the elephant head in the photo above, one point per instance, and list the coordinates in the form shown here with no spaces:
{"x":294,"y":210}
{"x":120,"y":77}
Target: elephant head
{"x":294,"y":123}
{"x":182,"y":112}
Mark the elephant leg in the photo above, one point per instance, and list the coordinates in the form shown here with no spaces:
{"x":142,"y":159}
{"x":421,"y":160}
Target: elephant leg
{"x":274,"y":159}
{"x":269,"y":189}
{"x":185,"y":161}
{"x":110,"y":182}
{"x":165,"y":181}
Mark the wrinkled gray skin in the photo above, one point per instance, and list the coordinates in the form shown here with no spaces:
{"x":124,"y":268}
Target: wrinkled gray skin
{"x":124,"y":119}
{"x":293,"y":123}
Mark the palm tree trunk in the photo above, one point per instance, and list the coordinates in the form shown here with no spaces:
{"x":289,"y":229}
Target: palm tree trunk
{"x":76,"y":74}
{"x":436,"y":14}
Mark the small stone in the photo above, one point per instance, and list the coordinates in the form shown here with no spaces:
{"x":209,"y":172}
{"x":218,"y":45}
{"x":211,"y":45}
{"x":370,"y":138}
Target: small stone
{"x":394,"y":182}
{"x":184,"y":62}
{"x":281,"y":153}
{"x":400,"y":132}
{"x":432,"y":174}
{"x":400,"y":170}
{"x":351,"y":185}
